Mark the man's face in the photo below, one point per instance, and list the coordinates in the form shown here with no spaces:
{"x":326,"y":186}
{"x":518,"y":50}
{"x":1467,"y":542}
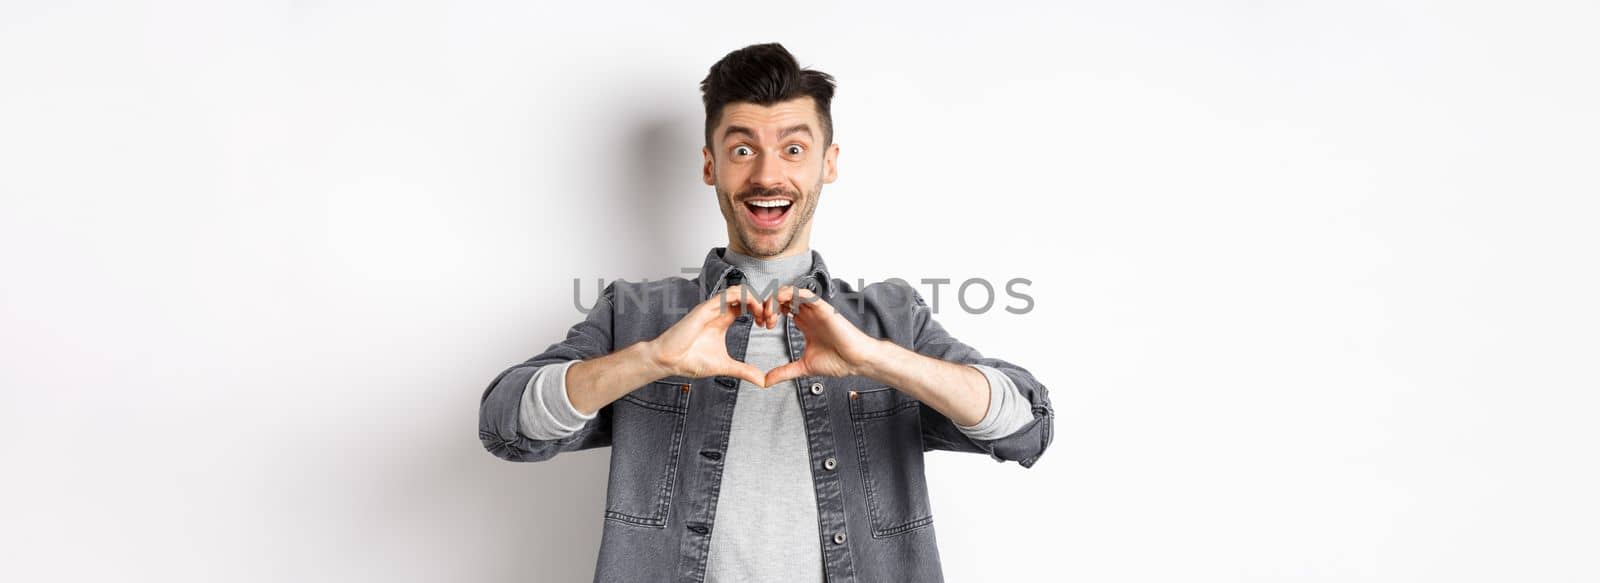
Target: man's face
{"x":760,"y":158}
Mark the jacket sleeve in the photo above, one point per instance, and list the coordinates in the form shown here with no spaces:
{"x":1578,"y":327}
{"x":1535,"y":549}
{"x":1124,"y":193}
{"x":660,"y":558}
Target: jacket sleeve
{"x":499,"y":410}
{"x":1024,"y":445}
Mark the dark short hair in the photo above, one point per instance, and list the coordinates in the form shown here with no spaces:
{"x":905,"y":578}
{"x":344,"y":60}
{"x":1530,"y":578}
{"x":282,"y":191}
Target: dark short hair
{"x":764,"y":74}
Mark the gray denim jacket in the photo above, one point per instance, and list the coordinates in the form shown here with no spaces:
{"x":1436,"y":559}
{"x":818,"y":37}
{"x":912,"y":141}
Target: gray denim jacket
{"x":667,"y":437}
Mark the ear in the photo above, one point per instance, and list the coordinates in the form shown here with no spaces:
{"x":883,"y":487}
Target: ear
{"x":708,"y":172}
{"x":830,"y":162}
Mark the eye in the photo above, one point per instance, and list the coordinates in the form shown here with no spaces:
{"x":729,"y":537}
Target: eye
{"x":795,"y":150}
{"x":742,"y":151}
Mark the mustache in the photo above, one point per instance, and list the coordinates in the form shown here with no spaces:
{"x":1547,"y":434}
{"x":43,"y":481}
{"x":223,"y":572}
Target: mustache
{"x":758,"y":192}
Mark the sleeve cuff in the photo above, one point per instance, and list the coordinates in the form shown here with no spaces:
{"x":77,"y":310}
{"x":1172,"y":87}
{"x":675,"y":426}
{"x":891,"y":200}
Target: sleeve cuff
{"x":1008,"y":409}
{"x":546,"y":412}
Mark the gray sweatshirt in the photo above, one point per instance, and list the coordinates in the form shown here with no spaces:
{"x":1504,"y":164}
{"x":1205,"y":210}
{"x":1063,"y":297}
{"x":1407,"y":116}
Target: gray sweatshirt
{"x":767,"y":527}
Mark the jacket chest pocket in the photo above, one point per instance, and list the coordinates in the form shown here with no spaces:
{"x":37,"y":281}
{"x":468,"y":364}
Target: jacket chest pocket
{"x":888,"y":436}
{"x":647,"y":435}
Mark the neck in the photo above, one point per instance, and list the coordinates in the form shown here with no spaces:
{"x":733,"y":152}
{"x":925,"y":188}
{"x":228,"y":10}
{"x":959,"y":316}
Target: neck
{"x":798,"y":248}
{"x":763,"y":273}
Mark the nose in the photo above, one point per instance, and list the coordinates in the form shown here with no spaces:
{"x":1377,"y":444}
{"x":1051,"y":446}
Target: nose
{"x":768,"y":172}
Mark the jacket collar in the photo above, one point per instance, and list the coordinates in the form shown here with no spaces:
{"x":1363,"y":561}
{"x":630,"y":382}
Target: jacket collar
{"x":717,"y":274}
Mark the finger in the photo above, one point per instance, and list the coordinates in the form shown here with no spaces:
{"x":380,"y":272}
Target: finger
{"x":747,"y":300}
{"x":714,"y":307}
{"x":795,"y":299}
{"x":760,"y":313}
{"x":785,"y":298}
{"x":729,"y":300}
{"x":733,"y":300}
{"x":810,"y":297}
{"x":771,"y":307}
{"x":788,"y":371}
{"x":744,"y":371}
{"x":719,"y":315}
{"x":765,"y":315}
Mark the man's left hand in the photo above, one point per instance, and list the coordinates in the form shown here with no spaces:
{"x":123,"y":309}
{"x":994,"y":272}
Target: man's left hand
{"x":834,"y":346}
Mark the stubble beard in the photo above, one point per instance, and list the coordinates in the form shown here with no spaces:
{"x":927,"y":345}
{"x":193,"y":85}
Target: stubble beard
{"x":730,"y":208}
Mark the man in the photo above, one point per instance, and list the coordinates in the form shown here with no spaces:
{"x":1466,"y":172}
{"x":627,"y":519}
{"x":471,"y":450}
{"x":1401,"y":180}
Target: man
{"x":775,"y":431}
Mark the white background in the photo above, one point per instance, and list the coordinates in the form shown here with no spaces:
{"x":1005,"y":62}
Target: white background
{"x":1314,"y":283}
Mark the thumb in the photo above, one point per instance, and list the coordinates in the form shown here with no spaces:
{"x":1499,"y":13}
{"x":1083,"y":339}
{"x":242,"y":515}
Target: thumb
{"x":788,"y":371}
{"x":744,"y":371}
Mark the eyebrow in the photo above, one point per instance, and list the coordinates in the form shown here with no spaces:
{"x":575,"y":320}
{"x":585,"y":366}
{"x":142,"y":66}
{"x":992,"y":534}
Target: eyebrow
{"x":802,"y":128}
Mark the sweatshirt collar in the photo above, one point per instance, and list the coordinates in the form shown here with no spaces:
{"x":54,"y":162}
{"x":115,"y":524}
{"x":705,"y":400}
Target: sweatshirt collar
{"x":717,"y":274}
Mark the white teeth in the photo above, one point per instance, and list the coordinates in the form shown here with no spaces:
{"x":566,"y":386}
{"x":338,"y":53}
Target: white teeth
{"x":770,"y":203}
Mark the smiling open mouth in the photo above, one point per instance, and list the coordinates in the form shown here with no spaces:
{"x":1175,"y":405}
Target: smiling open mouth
{"x":768,"y":214}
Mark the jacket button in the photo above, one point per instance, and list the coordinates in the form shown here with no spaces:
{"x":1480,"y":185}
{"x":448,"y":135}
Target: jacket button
{"x":816,"y":388}
{"x":838,"y":538}
{"x":830,"y":463}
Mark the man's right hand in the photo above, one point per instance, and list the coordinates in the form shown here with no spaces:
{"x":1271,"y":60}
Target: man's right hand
{"x":696,"y":346}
